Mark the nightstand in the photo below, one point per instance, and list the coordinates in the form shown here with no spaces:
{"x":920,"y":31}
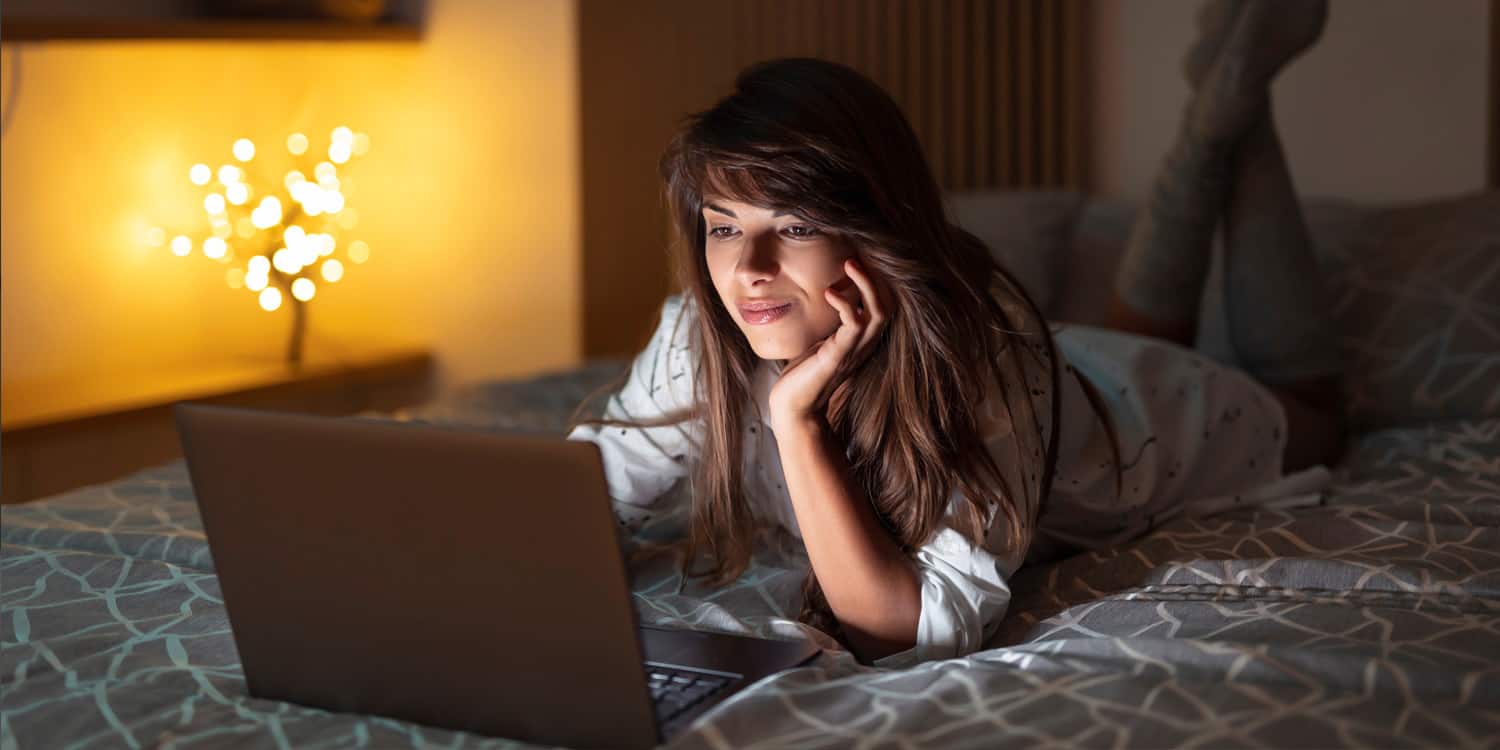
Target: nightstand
{"x":55,"y":436}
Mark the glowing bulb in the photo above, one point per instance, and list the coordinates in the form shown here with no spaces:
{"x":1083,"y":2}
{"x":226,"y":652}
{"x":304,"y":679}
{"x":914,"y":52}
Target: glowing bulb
{"x":326,"y":244}
{"x":230,"y":174}
{"x":304,"y":289}
{"x":270,"y":298}
{"x":235,"y":278}
{"x":342,"y":134}
{"x":238,"y":193}
{"x":256,"y":281}
{"x":244,"y":150}
{"x":312,"y":200}
{"x":297,"y":144}
{"x":339,"y":151}
{"x":267,"y":214}
{"x":292,"y":178}
{"x":333,"y":202}
{"x":156,"y":237}
{"x":284,"y":261}
{"x":359,"y":252}
{"x":333,"y":270}
{"x":348,"y":217}
{"x":214,"y":248}
{"x":213,"y":203}
{"x":326,"y":173}
{"x":244,"y":227}
{"x":258,"y":265}
{"x":181,"y":246}
{"x":361,"y":144}
{"x":200,"y":174}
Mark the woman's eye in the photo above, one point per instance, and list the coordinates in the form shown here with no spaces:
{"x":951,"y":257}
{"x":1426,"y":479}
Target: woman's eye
{"x":721,"y":232}
{"x":801,"y":231}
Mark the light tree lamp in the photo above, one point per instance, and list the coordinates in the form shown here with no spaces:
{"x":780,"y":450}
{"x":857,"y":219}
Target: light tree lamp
{"x":287,"y":235}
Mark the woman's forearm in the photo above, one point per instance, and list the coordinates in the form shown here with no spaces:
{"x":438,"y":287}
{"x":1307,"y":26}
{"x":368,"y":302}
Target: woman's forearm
{"x":871,"y":586}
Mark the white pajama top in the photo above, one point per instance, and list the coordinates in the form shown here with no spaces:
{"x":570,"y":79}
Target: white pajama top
{"x":1194,"y":436}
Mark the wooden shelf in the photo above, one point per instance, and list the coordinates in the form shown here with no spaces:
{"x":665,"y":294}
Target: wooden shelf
{"x":24,"y":29}
{"x":61,"y":434}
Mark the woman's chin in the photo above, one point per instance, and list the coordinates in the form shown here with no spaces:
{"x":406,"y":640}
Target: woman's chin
{"x":779,"y":349}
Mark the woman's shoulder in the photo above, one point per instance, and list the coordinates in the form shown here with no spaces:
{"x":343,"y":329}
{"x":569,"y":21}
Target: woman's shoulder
{"x":662,"y":374}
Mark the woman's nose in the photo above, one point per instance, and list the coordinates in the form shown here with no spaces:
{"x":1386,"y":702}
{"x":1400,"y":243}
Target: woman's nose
{"x":757,"y":262}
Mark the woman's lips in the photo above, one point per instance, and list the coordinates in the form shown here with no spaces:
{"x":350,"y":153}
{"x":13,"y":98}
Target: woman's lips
{"x":760,"y":313}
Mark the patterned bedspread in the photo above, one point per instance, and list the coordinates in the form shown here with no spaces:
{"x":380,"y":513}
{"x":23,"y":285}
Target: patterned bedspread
{"x":1373,"y":620}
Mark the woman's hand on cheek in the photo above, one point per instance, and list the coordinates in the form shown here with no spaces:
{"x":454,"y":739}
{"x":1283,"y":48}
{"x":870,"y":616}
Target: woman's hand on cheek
{"x":797,"y":395}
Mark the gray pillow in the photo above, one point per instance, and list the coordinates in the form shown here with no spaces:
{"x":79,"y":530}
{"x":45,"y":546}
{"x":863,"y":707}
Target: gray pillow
{"x":1417,"y":296}
{"x":1026,"y":230}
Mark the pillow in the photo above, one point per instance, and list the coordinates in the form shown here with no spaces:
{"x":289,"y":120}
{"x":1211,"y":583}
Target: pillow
{"x":1026,"y":230}
{"x":1417,"y":297}
{"x":1087,"y":280}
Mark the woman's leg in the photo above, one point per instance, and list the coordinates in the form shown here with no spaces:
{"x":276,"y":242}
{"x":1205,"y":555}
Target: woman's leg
{"x":1228,"y":157}
{"x":1275,"y":299}
{"x":1158,"y":286}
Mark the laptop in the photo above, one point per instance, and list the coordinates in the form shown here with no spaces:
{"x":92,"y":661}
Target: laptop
{"x":457,"y":578}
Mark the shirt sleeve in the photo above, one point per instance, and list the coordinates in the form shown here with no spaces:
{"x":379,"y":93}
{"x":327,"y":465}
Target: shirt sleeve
{"x":964,"y":596}
{"x":642,"y":463}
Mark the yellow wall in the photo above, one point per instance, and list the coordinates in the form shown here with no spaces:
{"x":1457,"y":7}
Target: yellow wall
{"x":469,"y":197}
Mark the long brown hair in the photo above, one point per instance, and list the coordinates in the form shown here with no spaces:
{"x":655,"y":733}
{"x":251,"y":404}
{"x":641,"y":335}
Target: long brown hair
{"x":824,"y":142}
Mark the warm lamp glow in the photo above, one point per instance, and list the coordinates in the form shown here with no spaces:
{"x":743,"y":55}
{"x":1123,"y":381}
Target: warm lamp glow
{"x":270,"y":298}
{"x":238,"y":193}
{"x":286,"y":261}
{"x":285,"y":249}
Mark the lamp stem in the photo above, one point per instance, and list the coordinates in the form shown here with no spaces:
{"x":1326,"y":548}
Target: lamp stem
{"x":299,"y":328}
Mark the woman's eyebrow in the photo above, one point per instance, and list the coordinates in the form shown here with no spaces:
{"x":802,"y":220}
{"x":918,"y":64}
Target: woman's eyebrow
{"x":716,"y":207}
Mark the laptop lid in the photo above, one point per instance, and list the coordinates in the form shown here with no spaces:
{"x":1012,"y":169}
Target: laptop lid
{"x":455,"y":578}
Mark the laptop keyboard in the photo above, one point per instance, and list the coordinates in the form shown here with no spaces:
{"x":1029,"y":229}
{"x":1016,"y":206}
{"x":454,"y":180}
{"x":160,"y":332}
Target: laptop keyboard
{"x":677,"y":690}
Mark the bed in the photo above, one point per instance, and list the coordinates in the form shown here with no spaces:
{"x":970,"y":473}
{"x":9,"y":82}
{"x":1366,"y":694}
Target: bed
{"x":1372,"y":619}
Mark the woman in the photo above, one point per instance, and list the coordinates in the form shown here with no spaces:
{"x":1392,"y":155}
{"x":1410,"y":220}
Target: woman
{"x":847,"y":364}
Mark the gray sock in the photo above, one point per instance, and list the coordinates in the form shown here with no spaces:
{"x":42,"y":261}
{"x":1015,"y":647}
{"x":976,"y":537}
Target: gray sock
{"x":1161,"y":272}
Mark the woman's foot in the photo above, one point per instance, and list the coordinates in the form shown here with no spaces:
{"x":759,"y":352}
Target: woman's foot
{"x":1264,"y":36}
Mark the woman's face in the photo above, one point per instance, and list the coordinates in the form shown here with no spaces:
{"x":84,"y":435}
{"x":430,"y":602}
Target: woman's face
{"x":770,"y":269}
